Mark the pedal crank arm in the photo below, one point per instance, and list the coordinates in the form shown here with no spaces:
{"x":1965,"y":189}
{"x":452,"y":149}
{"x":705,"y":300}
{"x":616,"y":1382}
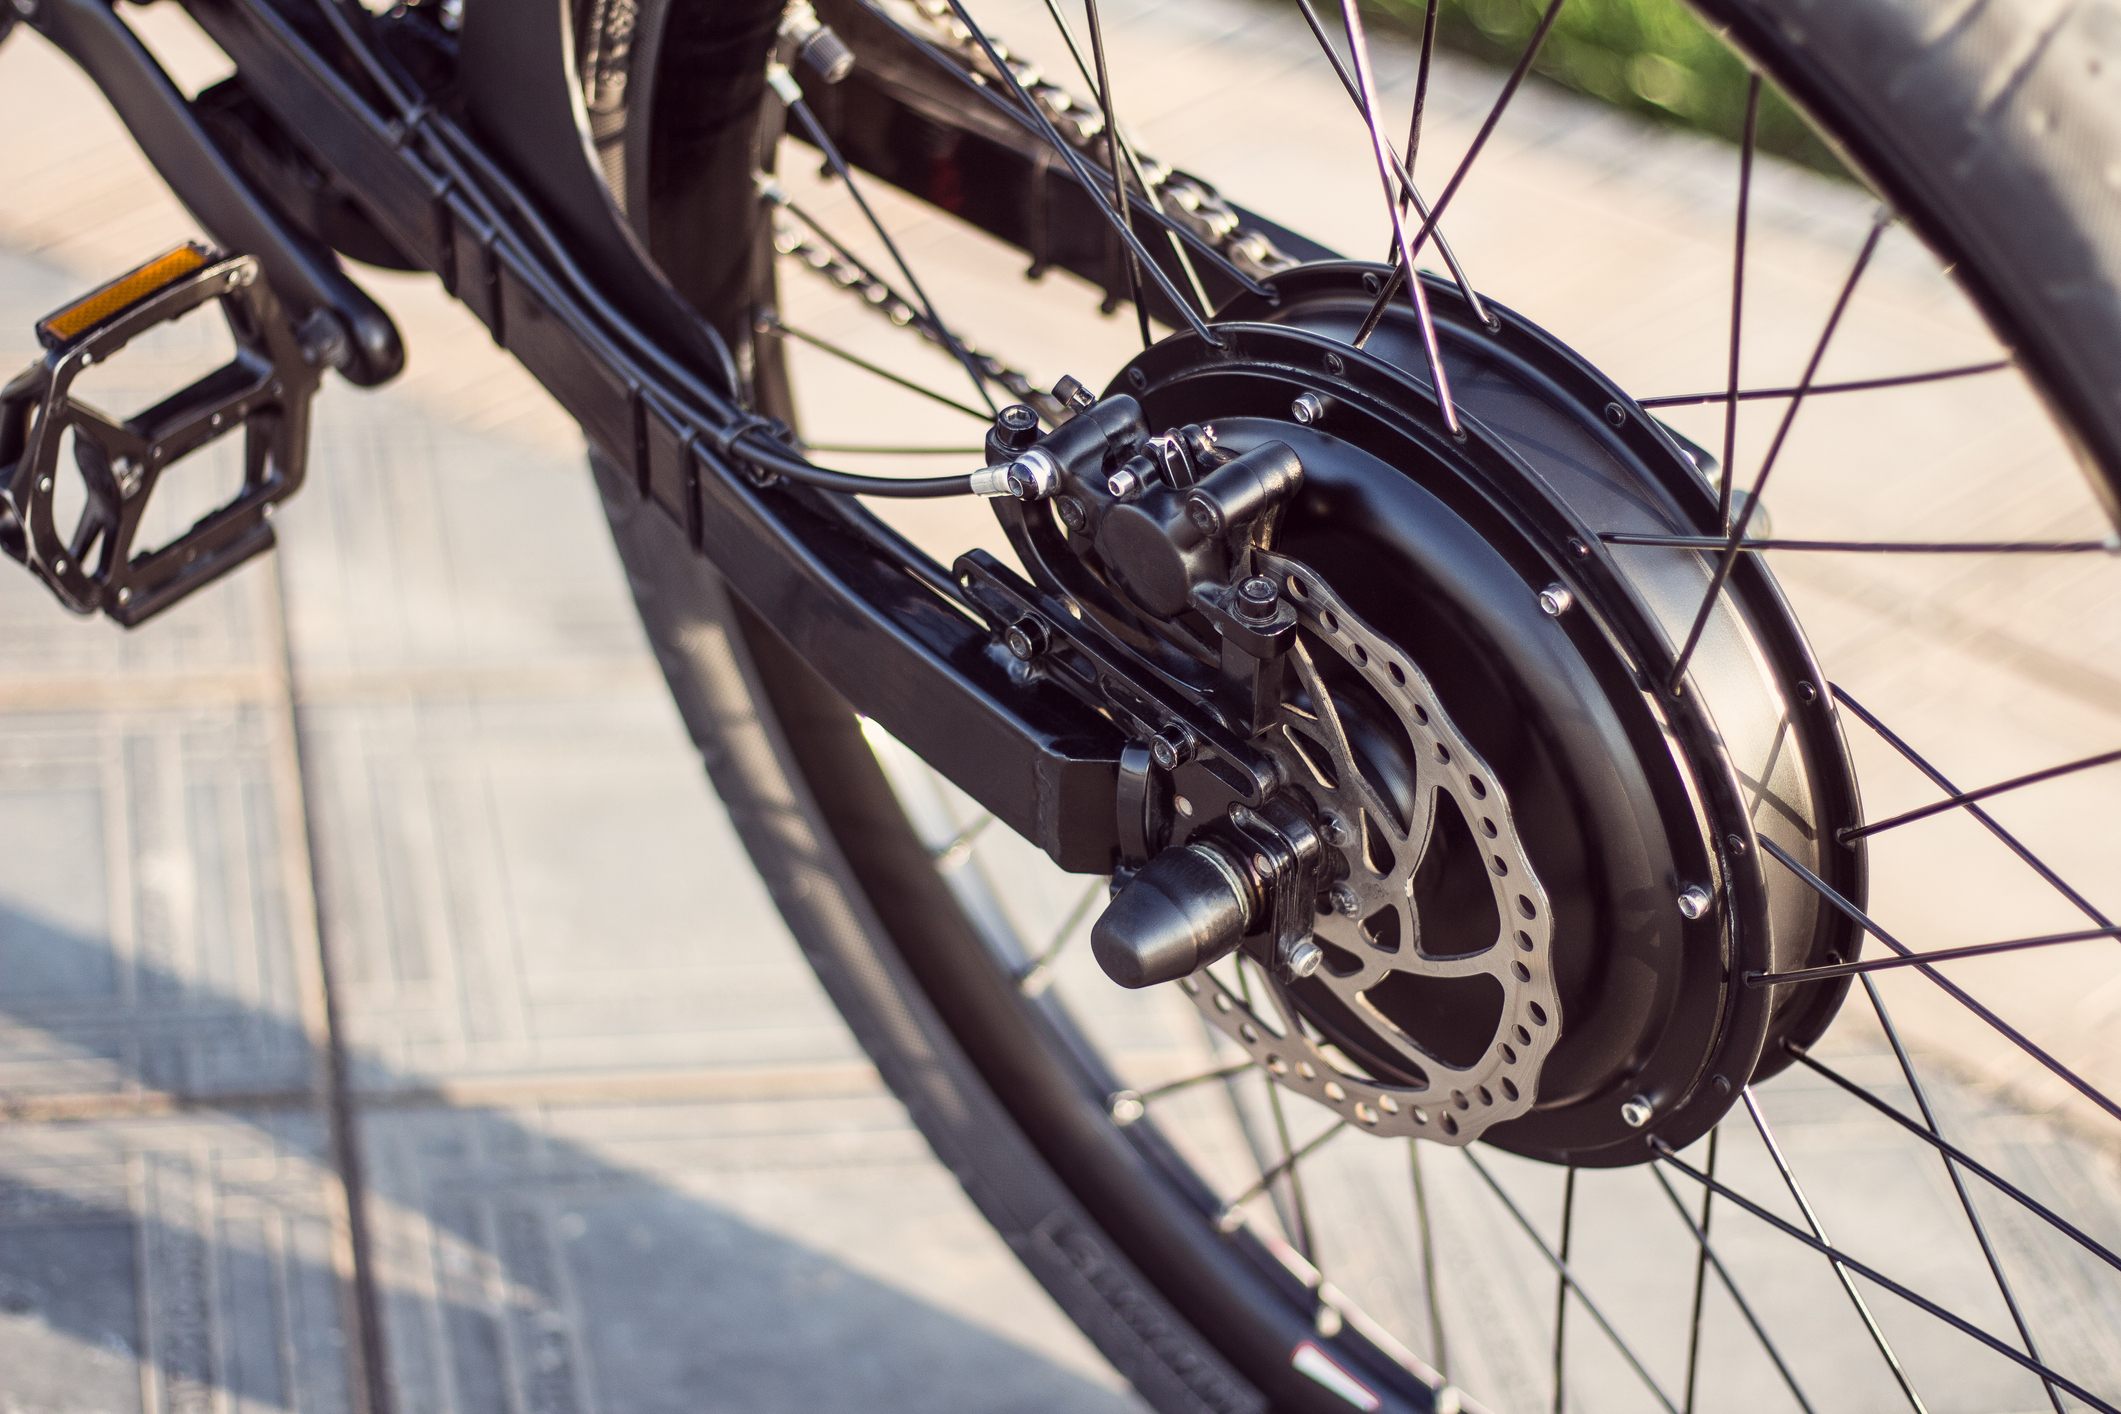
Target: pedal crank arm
{"x":264,"y":391}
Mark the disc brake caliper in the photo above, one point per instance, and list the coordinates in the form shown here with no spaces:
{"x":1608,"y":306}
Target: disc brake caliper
{"x":1374,"y":872}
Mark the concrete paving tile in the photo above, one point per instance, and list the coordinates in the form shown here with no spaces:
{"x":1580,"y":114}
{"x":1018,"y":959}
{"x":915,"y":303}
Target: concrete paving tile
{"x":145,"y":935}
{"x":739,"y":1256}
{"x":173,"y":1265}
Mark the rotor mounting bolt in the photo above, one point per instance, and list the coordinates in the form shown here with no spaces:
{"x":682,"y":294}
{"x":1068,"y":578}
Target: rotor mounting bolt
{"x":1638,"y":1111}
{"x":1336,"y":831}
{"x":1258,"y":597}
{"x":1308,"y":408}
{"x":1693,"y":902}
{"x":1026,"y":639}
{"x":1345,"y":900}
{"x":1172,"y":747}
{"x":1555,"y":600}
{"x":1016,"y":427}
{"x":1301,"y":958}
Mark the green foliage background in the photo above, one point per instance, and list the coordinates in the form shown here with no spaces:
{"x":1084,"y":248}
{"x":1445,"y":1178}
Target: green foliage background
{"x":1653,"y":57}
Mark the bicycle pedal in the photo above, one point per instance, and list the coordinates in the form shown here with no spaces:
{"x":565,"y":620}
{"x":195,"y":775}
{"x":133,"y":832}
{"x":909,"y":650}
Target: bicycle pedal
{"x":265,"y":390}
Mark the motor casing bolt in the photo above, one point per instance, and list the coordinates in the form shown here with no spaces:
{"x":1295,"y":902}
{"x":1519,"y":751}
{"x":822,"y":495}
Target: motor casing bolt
{"x":1693,"y":902}
{"x":1638,"y":1112}
{"x":1555,"y":600}
{"x":1307,"y":408}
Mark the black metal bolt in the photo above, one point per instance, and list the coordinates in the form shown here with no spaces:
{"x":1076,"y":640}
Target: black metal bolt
{"x":1257,"y":597}
{"x":1616,"y":414}
{"x":1026,"y":639}
{"x":1071,"y":392}
{"x":1172,"y":747}
{"x":1071,"y":512}
{"x":1016,"y":427}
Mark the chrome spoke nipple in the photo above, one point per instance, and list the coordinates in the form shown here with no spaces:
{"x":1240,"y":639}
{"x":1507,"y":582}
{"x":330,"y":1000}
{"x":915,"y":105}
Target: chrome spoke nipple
{"x":1229,"y":1220}
{"x":1126,"y":1107}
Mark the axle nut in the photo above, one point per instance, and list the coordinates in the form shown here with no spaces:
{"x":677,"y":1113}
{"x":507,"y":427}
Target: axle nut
{"x":1172,"y":747}
{"x":1026,"y":639}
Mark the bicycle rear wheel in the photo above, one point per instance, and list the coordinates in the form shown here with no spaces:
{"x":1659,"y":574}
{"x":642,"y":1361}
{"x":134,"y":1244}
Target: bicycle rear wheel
{"x":1192,"y":1243}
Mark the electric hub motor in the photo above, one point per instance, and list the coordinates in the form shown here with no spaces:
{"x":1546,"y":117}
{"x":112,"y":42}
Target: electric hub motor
{"x":1536,"y":869}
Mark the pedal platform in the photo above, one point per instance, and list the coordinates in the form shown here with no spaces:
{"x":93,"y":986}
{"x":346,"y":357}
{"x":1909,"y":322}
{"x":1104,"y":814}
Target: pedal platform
{"x":265,"y":390}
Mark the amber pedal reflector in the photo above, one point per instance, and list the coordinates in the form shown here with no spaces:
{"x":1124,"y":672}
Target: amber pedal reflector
{"x":122,"y":293}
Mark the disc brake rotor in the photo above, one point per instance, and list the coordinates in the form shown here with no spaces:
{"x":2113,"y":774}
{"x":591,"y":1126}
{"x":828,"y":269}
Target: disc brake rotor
{"x":1446,"y":1001}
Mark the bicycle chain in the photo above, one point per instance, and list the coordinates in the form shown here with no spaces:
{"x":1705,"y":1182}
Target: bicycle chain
{"x":1181,"y":196}
{"x":873,"y":292}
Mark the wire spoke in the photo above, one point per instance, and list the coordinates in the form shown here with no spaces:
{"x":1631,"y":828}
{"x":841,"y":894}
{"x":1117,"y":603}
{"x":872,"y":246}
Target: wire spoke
{"x":1966,"y":1201}
{"x":1134,"y":164}
{"x":1039,"y":975}
{"x":1840,"y":1258}
{"x":1965,"y":1160}
{"x":1957,"y":993}
{"x":1082,"y":171}
{"x":1569,"y":1278}
{"x":1841,"y":1269}
{"x":1403,"y":170}
{"x":1918,"y":959}
{"x":1421,"y":95}
{"x":769,"y":323}
{"x":1440,"y":1353}
{"x":1963,"y":798}
{"x":845,"y":173}
{"x":850,"y":449}
{"x":1860,"y":385}
{"x":959,"y":847}
{"x":1873,"y":547}
{"x":1359,"y":55}
{"x":1730,"y":405}
{"x":1701,"y":1274}
{"x":1767,"y":463}
{"x":1118,"y":168}
{"x":1129,"y":1099}
{"x":1709,"y":1258}
{"x":1561,"y":1281}
{"x":1937,"y":778}
{"x":1465,"y":163}
{"x":1231,"y":1218}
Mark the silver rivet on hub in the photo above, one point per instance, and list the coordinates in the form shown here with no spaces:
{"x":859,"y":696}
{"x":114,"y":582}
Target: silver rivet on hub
{"x":1554,"y":600}
{"x":1637,"y":1112}
{"x":1693,"y":901}
{"x":1307,"y":408}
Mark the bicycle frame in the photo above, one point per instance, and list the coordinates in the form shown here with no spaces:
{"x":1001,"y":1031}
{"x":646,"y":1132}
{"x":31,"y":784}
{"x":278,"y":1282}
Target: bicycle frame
{"x":505,"y":206}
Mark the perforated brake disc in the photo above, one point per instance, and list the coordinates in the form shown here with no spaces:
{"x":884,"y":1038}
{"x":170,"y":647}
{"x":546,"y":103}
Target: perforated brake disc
{"x":1444,"y":997}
